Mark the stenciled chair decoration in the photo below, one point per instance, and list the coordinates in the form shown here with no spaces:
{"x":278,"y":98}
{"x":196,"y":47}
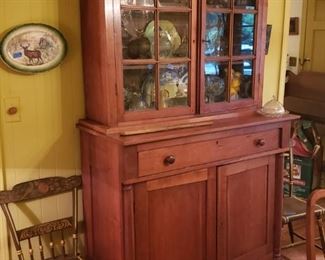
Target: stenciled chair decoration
{"x":295,"y":208}
{"x":38,"y":189}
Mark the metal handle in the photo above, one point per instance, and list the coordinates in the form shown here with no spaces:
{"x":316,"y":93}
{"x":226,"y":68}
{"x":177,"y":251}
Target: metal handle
{"x":206,"y":41}
{"x":260,"y":142}
{"x":169,"y":160}
{"x":302,"y":63}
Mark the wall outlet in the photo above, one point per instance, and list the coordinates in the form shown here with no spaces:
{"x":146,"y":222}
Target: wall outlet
{"x":12,"y":109}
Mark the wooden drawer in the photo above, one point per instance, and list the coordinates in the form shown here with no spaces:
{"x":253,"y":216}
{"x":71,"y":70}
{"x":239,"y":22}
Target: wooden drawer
{"x":189,"y":154}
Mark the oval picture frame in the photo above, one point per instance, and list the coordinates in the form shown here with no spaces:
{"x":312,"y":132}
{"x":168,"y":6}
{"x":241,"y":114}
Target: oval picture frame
{"x":33,"y":48}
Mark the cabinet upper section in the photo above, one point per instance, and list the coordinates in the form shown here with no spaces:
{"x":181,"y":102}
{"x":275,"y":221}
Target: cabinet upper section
{"x":146,"y":59}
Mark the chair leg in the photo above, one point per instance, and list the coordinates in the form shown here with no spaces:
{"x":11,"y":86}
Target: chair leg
{"x":321,"y":232}
{"x":291,"y":233}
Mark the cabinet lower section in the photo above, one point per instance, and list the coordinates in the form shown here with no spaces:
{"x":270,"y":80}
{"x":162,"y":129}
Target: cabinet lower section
{"x":220,"y":213}
{"x":220,"y":210}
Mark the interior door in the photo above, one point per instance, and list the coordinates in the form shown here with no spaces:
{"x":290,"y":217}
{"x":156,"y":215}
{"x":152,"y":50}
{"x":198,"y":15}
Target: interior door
{"x":245,"y":193}
{"x":314,"y":52}
{"x":175,"y":218}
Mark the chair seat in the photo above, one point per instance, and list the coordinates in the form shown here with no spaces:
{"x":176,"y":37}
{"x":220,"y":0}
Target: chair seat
{"x":295,"y":208}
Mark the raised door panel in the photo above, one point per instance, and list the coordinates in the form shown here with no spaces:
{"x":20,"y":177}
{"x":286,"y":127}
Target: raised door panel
{"x":175,"y":218}
{"x":246,"y":209}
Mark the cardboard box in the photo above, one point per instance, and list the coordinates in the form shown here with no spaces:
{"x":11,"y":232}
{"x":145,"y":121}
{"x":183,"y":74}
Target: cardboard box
{"x":304,"y":181}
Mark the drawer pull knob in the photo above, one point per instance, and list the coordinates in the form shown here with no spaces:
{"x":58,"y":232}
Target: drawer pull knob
{"x":260,"y":142}
{"x":169,"y":160}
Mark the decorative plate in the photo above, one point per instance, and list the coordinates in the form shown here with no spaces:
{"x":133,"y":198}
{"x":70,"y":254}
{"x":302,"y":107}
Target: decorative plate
{"x":33,"y":48}
{"x":169,"y":37}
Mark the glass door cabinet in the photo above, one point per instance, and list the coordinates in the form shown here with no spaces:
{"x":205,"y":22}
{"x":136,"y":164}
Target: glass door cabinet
{"x":158,"y":57}
{"x":172,"y":140}
{"x":184,"y":57}
{"x":229,"y":54}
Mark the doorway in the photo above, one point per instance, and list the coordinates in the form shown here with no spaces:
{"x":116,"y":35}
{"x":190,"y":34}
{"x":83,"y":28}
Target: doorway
{"x":312,"y":54}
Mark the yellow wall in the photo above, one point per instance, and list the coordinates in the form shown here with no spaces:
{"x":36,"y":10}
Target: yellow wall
{"x":275,"y":62}
{"x":45,"y":141}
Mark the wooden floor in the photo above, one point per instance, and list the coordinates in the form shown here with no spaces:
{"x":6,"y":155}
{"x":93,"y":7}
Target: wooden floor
{"x":297,"y":252}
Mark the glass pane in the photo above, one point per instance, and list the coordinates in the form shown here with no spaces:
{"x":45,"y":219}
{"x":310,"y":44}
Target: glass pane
{"x":215,"y":81}
{"x":174,"y":3}
{"x":173,"y":35}
{"x":173,"y":85}
{"x":138,"y":2}
{"x":244,"y":34}
{"x":241,"y":80}
{"x":139,"y":87}
{"x":245,"y":4}
{"x":135,"y":44}
{"x":216,"y":34}
{"x":218,"y":3}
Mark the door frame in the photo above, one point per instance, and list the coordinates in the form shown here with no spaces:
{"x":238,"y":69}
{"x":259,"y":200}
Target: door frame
{"x":303,"y":33}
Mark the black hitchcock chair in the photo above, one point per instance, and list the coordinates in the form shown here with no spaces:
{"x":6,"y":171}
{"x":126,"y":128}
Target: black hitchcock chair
{"x":38,"y":189}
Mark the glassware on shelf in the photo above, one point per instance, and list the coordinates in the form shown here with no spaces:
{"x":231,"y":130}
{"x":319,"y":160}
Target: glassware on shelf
{"x":139,"y":87}
{"x":235,"y":82}
{"x":245,"y":4}
{"x":139,"y":48}
{"x":241,"y":80}
{"x":183,"y":49}
{"x":215,"y":81}
{"x":135,"y":44}
{"x":181,"y":34}
{"x":183,"y":3}
{"x":138,"y":2}
{"x":218,"y":3}
{"x":148,"y":91}
{"x":273,"y":108}
{"x":168,"y":36}
{"x":244,"y":28}
{"x":173,"y":85}
{"x":216,"y":34}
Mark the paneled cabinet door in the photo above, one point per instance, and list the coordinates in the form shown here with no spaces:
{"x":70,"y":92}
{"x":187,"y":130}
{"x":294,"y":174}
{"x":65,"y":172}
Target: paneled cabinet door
{"x":173,"y":218}
{"x":245,"y":195}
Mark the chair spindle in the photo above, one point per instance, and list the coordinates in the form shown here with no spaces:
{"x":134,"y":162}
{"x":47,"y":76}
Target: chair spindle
{"x":52,"y":246}
{"x":75,"y":220}
{"x":41,"y":249}
{"x":62,"y":243}
{"x":30,"y":250}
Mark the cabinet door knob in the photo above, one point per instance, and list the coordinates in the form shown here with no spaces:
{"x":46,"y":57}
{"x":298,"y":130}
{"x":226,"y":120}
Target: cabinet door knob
{"x":169,"y":160}
{"x":260,"y":142}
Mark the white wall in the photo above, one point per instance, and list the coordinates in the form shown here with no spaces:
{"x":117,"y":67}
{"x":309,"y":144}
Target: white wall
{"x":294,"y":41}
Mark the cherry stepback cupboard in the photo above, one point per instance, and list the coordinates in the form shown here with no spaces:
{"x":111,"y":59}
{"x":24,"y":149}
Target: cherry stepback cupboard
{"x":176,"y":163}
